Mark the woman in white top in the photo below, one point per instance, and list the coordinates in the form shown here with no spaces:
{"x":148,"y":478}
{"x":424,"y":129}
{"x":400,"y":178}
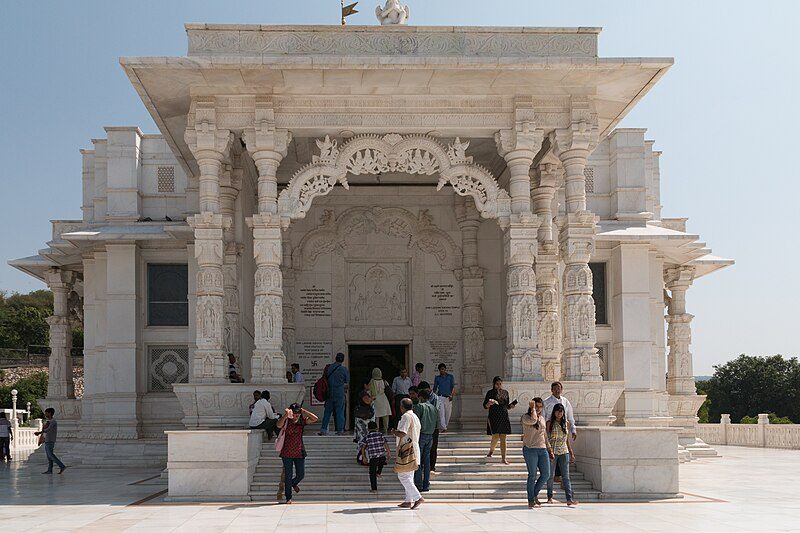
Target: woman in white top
{"x":377,"y":387}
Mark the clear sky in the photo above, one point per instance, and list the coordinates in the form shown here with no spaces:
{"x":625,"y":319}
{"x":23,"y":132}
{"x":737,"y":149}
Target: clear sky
{"x":726,"y":117}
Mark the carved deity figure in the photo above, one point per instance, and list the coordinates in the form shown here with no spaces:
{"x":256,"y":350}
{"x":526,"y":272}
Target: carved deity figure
{"x":266,"y":321}
{"x":526,"y":321}
{"x":209,"y":321}
{"x":392,"y":12}
{"x":585,"y":319}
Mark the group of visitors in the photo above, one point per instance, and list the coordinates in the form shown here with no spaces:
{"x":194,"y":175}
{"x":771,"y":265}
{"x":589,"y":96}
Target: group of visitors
{"x":546,"y":427}
{"x":415,"y":413}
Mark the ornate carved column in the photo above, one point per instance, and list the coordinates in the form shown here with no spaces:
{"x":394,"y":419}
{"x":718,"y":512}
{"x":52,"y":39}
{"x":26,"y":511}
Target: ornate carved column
{"x":210,"y":147}
{"x":547,"y":273}
{"x":577,"y":230}
{"x":519,"y":146}
{"x":683,"y":398}
{"x":680,"y":377}
{"x":267,"y":147}
{"x":471,"y":277}
{"x":59,"y":383}
{"x":231,"y":182}
{"x":287,"y":336}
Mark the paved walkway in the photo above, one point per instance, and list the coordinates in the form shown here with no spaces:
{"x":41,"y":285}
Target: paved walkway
{"x":748,"y":489}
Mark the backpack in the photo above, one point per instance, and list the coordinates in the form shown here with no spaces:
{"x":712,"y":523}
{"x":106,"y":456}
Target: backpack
{"x":322,"y":387}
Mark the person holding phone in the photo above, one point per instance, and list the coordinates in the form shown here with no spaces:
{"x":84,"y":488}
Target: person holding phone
{"x":498,"y":425}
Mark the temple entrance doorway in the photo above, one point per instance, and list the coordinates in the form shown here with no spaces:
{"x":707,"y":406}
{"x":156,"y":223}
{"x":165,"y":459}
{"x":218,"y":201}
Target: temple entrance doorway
{"x":390,"y":358}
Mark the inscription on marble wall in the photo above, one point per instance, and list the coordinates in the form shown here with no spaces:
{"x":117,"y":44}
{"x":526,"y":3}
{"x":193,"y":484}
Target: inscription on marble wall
{"x":312,"y":357}
{"x":442,"y":300}
{"x":447,"y":352}
{"x":315,"y":301}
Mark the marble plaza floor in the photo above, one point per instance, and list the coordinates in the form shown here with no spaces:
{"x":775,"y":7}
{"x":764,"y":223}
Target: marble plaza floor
{"x":748,"y":489}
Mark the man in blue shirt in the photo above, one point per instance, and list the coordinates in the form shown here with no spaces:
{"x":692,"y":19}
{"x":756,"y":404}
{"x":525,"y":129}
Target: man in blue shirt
{"x":444,"y":385}
{"x":338,"y":378}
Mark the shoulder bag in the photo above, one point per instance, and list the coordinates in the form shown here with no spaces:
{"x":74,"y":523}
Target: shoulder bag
{"x":406,"y":460}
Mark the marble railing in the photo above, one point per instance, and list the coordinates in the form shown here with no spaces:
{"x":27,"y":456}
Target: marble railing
{"x":760,"y":435}
{"x":25,"y":439}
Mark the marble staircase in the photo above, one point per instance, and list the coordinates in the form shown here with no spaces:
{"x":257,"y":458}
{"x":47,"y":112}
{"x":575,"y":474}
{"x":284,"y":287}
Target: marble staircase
{"x":464,"y":473}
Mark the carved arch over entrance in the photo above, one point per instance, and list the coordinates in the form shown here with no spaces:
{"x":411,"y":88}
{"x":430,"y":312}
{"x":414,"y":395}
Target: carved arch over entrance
{"x":374,"y":154}
{"x":418,"y":231}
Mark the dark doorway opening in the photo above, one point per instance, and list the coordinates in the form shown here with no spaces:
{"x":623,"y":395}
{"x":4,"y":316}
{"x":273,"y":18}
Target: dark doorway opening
{"x":390,"y":358}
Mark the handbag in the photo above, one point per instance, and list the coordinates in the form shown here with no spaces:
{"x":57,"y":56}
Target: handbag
{"x":41,"y":440}
{"x":388,"y":392}
{"x":280,"y":440}
{"x":364,"y":412}
{"x":406,"y":460}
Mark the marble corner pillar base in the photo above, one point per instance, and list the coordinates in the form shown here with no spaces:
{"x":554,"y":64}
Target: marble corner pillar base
{"x":225,"y":405}
{"x":68,"y":413}
{"x":212,"y":465}
{"x":629,"y":463}
{"x":683,"y":410}
{"x":592,"y":401}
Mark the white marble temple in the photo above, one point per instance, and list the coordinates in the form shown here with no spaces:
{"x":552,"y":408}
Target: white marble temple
{"x":461,"y":194}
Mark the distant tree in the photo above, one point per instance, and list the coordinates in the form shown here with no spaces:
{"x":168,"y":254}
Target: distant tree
{"x":748,"y":385}
{"x":702,"y":413}
{"x":23,"y":325}
{"x":773,"y":419}
{"x":23,"y":320}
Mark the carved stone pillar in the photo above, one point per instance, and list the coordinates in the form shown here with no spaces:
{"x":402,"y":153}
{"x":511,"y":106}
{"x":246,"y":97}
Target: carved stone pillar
{"x":209,"y":363}
{"x":288,"y":336}
{"x":471,"y":277}
{"x":547,"y":273}
{"x":59,"y":383}
{"x":573,"y":145}
{"x":523,"y":359}
{"x":680,"y":377}
{"x":519,"y":146}
{"x":210,"y":147}
{"x":267,"y":147}
{"x":229,"y":190}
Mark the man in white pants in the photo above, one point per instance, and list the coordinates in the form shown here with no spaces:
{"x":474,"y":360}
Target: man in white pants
{"x":408,"y":427}
{"x":444,"y":385}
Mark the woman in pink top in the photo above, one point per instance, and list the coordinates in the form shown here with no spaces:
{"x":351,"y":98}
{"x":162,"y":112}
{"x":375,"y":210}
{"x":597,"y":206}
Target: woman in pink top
{"x":536,"y":450}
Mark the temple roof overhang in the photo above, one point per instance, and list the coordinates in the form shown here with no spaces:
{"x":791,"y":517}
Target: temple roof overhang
{"x":388,"y":67}
{"x":676,"y":246}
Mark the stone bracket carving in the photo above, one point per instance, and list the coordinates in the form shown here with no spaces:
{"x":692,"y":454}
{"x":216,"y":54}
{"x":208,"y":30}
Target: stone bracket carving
{"x":373,"y":154}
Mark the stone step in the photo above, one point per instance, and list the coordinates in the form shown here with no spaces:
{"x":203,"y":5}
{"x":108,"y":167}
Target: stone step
{"x":386,"y":493}
{"x":329,"y":473}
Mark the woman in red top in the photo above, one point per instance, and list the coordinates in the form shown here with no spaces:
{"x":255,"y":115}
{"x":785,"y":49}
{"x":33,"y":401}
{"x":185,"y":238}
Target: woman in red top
{"x":293,"y":453}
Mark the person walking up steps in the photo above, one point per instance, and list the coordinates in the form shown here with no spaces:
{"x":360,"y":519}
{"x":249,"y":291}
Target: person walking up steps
{"x":429,"y":419}
{"x":557,"y":430}
{"x":407,"y":456}
{"x":375,"y":446}
{"x":50,"y":431}
{"x":338,"y":377}
{"x":383,"y":409}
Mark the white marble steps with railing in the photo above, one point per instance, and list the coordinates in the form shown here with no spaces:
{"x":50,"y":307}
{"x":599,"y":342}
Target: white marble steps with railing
{"x":464,"y":473}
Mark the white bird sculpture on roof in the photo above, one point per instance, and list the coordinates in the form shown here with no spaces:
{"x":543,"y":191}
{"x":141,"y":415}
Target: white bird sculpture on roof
{"x":392,"y":13}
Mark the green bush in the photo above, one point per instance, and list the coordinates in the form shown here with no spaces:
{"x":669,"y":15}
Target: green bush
{"x":773,"y":419}
{"x":28,"y":390}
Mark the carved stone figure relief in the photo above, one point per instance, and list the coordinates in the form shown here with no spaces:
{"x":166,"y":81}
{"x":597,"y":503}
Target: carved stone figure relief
{"x":378,"y":293}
